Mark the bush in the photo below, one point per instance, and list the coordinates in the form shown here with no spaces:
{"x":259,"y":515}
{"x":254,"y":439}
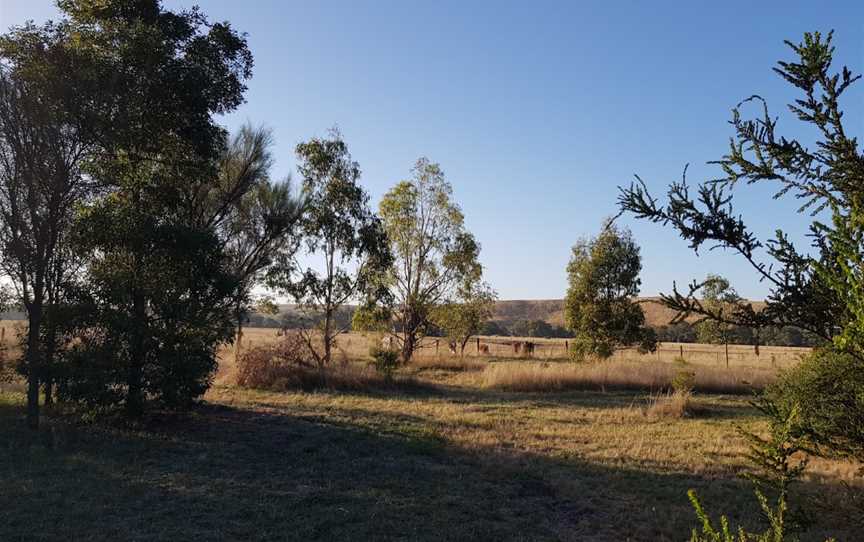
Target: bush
{"x":684,"y":381}
{"x":827,"y":388}
{"x":385,"y":360}
{"x":674,"y":404}
{"x":274,"y":366}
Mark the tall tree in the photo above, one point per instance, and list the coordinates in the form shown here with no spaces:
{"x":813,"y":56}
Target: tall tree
{"x":600,"y":306}
{"x":256,"y":219}
{"x":719,"y":297}
{"x":165,"y":75}
{"x":435,"y":256}
{"x":43,"y":149}
{"x":338,"y":226}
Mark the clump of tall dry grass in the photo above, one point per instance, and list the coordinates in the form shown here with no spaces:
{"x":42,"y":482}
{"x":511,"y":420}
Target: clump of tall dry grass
{"x":620,"y":375}
{"x":671,"y":404}
{"x":450,"y":364}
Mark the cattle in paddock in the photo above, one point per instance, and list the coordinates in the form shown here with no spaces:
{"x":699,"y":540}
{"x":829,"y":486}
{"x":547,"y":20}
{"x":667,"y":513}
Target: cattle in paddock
{"x":452,"y":347}
{"x":484,"y":349}
{"x":517,"y":347}
{"x":529,"y":348}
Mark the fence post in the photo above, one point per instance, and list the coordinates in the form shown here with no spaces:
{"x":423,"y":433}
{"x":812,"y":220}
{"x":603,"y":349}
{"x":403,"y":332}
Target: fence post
{"x":478,"y":346}
{"x":681,"y":351}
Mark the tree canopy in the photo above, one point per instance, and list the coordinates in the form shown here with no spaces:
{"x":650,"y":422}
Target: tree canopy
{"x":600,"y":306}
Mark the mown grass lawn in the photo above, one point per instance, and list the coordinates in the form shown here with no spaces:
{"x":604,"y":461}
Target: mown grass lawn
{"x":437,"y":462}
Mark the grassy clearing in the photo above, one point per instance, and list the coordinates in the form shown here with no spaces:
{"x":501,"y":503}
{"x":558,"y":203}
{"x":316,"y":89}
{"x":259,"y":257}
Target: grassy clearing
{"x":620,"y":375}
{"x":449,"y":461}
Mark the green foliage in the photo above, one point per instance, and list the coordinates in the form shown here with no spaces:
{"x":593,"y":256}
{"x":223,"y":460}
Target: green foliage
{"x":339,"y":227}
{"x":818,"y":404}
{"x":827,"y":391}
{"x":719,"y":297}
{"x":371,"y":318}
{"x":435,"y":257}
{"x":385,"y":360}
{"x":684,"y":381}
{"x":254,"y":218}
{"x":157,"y":296}
{"x":535,"y":328}
{"x":158,"y":339}
{"x":603,"y":277}
{"x":464,"y":318}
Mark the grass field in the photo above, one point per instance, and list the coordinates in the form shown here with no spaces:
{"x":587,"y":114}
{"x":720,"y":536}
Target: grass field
{"x":448,"y":458}
{"x":356,"y":346}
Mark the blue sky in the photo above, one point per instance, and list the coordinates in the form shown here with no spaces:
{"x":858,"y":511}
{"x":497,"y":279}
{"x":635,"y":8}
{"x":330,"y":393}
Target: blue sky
{"x":536,"y":111}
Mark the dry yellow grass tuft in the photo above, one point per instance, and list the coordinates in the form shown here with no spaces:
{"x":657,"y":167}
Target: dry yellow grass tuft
{"x":451,"y":364}
{"x":623,"y":375}
{"x":671,"y":404}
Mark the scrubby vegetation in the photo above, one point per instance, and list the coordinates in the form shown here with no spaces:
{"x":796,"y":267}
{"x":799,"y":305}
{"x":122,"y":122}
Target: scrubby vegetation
{"x":137,"y":236}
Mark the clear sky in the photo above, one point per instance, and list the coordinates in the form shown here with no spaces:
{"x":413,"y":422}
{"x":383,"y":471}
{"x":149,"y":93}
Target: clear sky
{"x":536,"y":111}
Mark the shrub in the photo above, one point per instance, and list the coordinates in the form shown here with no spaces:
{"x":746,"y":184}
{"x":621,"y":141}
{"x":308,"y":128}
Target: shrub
{"x":385,"y":360}
{"x":779,"y":465}
{"x":274,"y":366}
{"x":671,"y":404}
{"x":684,"y":381}
{"x":827,"y":388}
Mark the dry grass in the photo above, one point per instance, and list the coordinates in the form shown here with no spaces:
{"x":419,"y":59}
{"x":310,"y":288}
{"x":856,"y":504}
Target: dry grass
{"x":356,"y":347}
{"x":338,"y":377}
{"x":671,"y":404}
{"x":614,"y":375}
{"x":457,"y":463}
{"x":451,"y":364}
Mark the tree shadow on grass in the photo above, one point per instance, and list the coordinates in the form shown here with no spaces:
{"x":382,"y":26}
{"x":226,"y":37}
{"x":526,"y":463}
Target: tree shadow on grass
{"x":224,"y":473}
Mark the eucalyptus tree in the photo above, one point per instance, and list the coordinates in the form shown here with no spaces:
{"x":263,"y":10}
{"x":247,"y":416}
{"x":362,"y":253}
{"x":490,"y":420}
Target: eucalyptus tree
{"x":465,"y":316}
{"x":434,"y":255}
{"x":339,"y":227}
{"x":600,"y":306}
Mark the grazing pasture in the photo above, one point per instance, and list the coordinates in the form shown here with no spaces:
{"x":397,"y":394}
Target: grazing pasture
{"x":450,"y":451}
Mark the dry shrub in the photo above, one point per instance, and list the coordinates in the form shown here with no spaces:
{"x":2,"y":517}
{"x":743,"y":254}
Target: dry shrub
{"x":671,"y":404}
{"x":274,"y":365}
{"x":620,"y":375}
{"x":287,"y":365}
{"x":451,"y":364}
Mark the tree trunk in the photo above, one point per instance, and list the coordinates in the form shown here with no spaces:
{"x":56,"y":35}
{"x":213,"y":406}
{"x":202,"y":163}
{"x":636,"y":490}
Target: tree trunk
{"x":408,"y":346}
{"x":238,"y":342}
{"x":48,"y":358}
{"x":33,"y":359}
{"x":135,"y":384}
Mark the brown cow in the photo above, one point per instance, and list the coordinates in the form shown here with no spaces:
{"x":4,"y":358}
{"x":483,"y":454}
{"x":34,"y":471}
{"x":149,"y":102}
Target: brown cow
{"x":517,"y":347}
{"x":452,"y":346}
{"x":484,"y":349}
{"x":529,"y":349}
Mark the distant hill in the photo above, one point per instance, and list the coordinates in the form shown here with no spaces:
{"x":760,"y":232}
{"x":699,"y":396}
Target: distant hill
{"x":508,"y":311}
{"x":552,"y":311}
